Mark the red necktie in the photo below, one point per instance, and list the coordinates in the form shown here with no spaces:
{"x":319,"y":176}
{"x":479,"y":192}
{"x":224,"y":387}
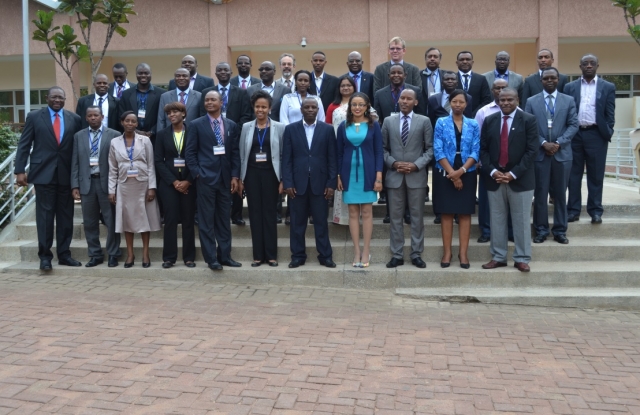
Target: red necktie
{"x":244,"y":84}
{"x":504,"y":143}
{"x":56,"y":127}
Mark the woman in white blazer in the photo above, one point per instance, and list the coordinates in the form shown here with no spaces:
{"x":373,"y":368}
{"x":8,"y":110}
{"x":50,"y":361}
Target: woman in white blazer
{"x":260,"y":151}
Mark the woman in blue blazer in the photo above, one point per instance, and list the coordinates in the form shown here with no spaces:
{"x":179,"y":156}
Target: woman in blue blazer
{"x":456,"y":146}
{"x":360,"y":158}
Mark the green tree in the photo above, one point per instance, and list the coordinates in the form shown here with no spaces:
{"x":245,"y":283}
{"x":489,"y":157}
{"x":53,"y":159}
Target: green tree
{"x":64,"y":45}
{"x":631,"y":10}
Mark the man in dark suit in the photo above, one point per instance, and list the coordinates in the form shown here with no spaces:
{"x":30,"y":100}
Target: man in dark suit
{"x":244,"y":79}
{"x":397,"y":49}
{"x":432,"y":82}
{"x":533,"y":83}
{"x":213,"y":157}
{"x":362,"y":79}
{"x":237,"y":108}
{"x":50,"y":132}
{"x":144,"y":101}
{"x":471,"y":82}
{"x":102,"y":99}
{"x":120,"y":82}
{"x":386,"y":99}
{"x":277,"y":90}
{"x":508,"y":147}
{"x":438,"y":104}
{"x":198,"y":82}
{"x":90,"y":183}
{"x":514,"y":80}
{"x":595,"y":99}
{"x":309,"y":175}
{"x":188,"y":97}
{"x":557,"y":124}
{"x":322,"y":84}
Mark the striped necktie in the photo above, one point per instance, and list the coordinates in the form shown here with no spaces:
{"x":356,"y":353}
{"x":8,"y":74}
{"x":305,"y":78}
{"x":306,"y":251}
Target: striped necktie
{"x":405,"y":130}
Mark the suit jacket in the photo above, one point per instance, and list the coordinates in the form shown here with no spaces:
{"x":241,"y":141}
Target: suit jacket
{"x":279,"y":90}
{"x":50,"y":162}
{"x":112,"y":88}
{"x":236,"y":81}
{"x":80,"y":167}
{"x":381,"y":75}
{"x":516,"y":81}
{"x":444,"y":141}
{"x":479,"y":91}
{"x":165,"y":152}
{"x":565,"y":124}
{"x":425,"y":85}
{"x":533,"y":85}
{"x":370,"y":150}
{"x":523,"y":147}
{"x":276,"y":131}
{"x":87,"y":101}
{"x":238,"y":105}
{"x":200,"y":84}
{"x":435,"y":109}
{"x":385,"y":106}
{"x":143,"y":161}
{"x":203,"y":164}
{"x":301,"y":164}
{"x":419,"y":150}
{"x":605,"y":104}
{"x":193,"y":107}
{"x":366,"y":85}
{"x":328,"y":89}
{"x":129,"y":102}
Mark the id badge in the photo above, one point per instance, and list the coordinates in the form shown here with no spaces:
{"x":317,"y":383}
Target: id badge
{"x":261,"y":157}
{"x":178,"y":162}
{"x":142,"y":113}
{"x":224,"y":114}
{"x":550,"y":123}
{"x":218,"y":150}
{"x":132,"y":173}
{"x":93,"y":161}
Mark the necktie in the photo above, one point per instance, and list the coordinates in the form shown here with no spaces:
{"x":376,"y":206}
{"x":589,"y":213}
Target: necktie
{"x":120,"y":88}
{"x":355,"y":79}
{"x":447,"y":104}
{"x":94,"y":143}
{"x":466,"y":82}
{"x":430,"y":84}
{"x":405,"y":130}
{"x":182,"y":100}
{"x":217,"y":132}
{"x":100,"y":101}
{"x":56,"y":127}
{"x":288,"y":82}
{"x":550,"y":107}
{"x":503,"y":160}
{"x":244,"y":84}
{"x":224,"y":99}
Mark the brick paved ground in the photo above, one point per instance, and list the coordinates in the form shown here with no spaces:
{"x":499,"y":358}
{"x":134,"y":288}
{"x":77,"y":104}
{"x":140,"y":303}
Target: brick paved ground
{"x":111,"y":346}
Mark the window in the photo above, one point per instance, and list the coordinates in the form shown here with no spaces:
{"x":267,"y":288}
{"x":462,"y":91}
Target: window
{"x":12,"y":105}
{"x":627,"y":85}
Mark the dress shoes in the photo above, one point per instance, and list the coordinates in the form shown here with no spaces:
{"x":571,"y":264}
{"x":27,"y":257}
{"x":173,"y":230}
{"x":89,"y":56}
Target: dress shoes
{"x":256,"y":264}
{"x":295,"y":263}
{"x":493,"y":265}
{"x":167,"y":264}
{"x":407,"y":220}
{"x":484,"y":238}
{"x":215,"y":266}
{"x":278,"y":219}
{"x":561,"y":239}
{"x":539,"y":239}
{"x":287,"y":220}
{"x":382,"y":200}
{"x":550,"y":200}
{"x":395,"y":262}
{"x":113,"y":261}
{"x":437,"y":220}
{"x":522,"y":266}
{"x":573,"y":218}
{"x":231,"y":263}
{"x":596,"y":219}
{"x":94,"y":262}
{"x":386,"y":219}
{"x":190,"y":264}
{"x":239,"y":222}
{"x":328,"y":263}
{"x":146,"y":264}
{"x":418,"y":262}
{"x":70,"y":262}
{"x":45,"y":264}
{"x":273,"y":263}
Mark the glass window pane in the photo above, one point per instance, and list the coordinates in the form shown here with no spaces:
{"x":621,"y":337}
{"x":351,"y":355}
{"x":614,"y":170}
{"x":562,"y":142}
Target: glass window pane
{"x":34,"y":96}
{"x":19,"y":97}
{"x":21,"y":116}
{"x":622,"y":82}
{"x":6,"y":114}
{"x":6,"y":97}
{"x":43,"y":96}
{"x":624,"y":94}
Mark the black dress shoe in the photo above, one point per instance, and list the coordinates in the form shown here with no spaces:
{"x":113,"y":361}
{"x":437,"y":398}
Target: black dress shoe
{"x":45,"y":264}
{"x":484,"y":238}
{"x":167,"y":264}
{"x":113,"y":262}
{"x":418,"y":262}
{"x":462,"y":264}
{"x":573,"y":218}
{"x":287,"y":220}
{"x":596,"y":219}
{"x":231,"y":263}
{"x":407,"y":220}
{"x":386,"y":219}
{"x":295,"y":263}
{"x":70,"y":262}
{"x":539,"y":239}
{"x":239,"y":222}
{"x":395,"y":262}
{"x":328,"y":263}
{"x":190,"y":264}
{"x":382,"y":200}
{"x":93,"y":262}
{"x":437,"y":220}
{"x":273,"y":263}
{"x":146,"y":264}
{"x":256,"y":263}
{"x":279,"y":219}
{"x":215,"y":266}
{"x":561,"y":239}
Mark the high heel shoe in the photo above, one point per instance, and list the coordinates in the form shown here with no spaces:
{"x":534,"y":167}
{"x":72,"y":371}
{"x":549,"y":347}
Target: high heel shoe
{"x":146,"y":264}
{"x":445,"y":264}
{"x":358,"y":264}
{"x":365,"y":264}
{"x":462,"y":265}
{"x":129,"y":264}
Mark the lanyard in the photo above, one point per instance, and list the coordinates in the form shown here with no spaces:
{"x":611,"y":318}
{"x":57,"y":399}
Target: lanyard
{"x":264,"y":135}
{"x":299,"y":100}
{"x":396,"y":97}
{"x":94,"y":149}
{"x":432,"y":79}
{"x":552,"y":110}
{"x":142,"y":102}
{"x":178,"y":143}
{"x":130,"y":150}
{"x":316,"y":82}
{"x":213,"y":127}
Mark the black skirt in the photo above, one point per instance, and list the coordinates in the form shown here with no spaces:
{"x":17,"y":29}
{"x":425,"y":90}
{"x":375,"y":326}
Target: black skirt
{"x":447,"y":199}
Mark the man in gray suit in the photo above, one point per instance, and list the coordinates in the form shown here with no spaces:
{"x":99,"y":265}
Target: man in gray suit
{"x":397,"y":49}
{"x":407,"y":139}
{"x":557,"y":124}
{"x":514,"y":80}
{"x":183,"y":94}
{"x":277,"y":90}
{"x":90,"y":183}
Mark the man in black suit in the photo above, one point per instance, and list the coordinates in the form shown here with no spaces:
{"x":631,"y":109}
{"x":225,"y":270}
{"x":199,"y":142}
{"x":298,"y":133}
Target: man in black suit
{"x":438,"y":104}
{"x":533,"y":83}
{"x":144,"y":101}
{"x":102,"y":99}
{"x":198,"y":82}
{"x":309,"y":175}
{"x":471,"y":82}
{"x":322,"y":84}
{"x":362,"y":79}
{"x":432,"y":81}
{"x":397,"y":49}
{"x":596,"y":102}
{"x":237,"y":108}
{"x":50,"y":132}
{"x":508,"y":147}
{"x":213,"y":157}
{"x":244,"y":79}
{"x":120,"y":82}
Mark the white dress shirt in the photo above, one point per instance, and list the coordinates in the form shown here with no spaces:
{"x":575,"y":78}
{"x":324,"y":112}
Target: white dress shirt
{"x":192,"y":81}
{"x":186,"y":95}
{"x":410,"y":115}
{"x":269,"y":88}
{"x":309,"y":130}
{"x":105,"y":107}
{"x":462,"y":74}
{"x":587,"y":111}
{"x":247,"y":81}
{"x":318,"y":80}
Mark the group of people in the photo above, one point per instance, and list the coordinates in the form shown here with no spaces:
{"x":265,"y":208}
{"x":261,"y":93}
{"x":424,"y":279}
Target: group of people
{"x":135,"y":154}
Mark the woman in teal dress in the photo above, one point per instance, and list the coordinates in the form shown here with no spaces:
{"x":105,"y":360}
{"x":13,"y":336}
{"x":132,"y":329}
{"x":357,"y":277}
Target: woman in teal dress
{"x":360,"y":158}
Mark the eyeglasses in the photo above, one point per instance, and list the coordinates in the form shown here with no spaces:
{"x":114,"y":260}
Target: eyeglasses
{"x":358,"y":105}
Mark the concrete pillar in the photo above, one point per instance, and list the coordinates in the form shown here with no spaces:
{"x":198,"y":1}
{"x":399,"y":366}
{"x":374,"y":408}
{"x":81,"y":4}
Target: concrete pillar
{"x":218,"y":35}
{"x":378,"y":33}
{"x":548,"y":27}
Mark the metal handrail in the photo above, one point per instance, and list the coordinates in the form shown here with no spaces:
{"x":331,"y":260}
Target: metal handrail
{"x":25,"y":198}
{"x":621,"y":157}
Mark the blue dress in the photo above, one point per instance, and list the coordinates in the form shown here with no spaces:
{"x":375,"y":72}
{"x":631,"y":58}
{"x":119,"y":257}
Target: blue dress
{"x":356,"y":194}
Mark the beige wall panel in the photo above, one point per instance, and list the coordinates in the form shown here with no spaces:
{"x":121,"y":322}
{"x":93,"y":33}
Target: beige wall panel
{"x":43,"y":75}
{"x":614,"y":58}
{"x":590,"y":18}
